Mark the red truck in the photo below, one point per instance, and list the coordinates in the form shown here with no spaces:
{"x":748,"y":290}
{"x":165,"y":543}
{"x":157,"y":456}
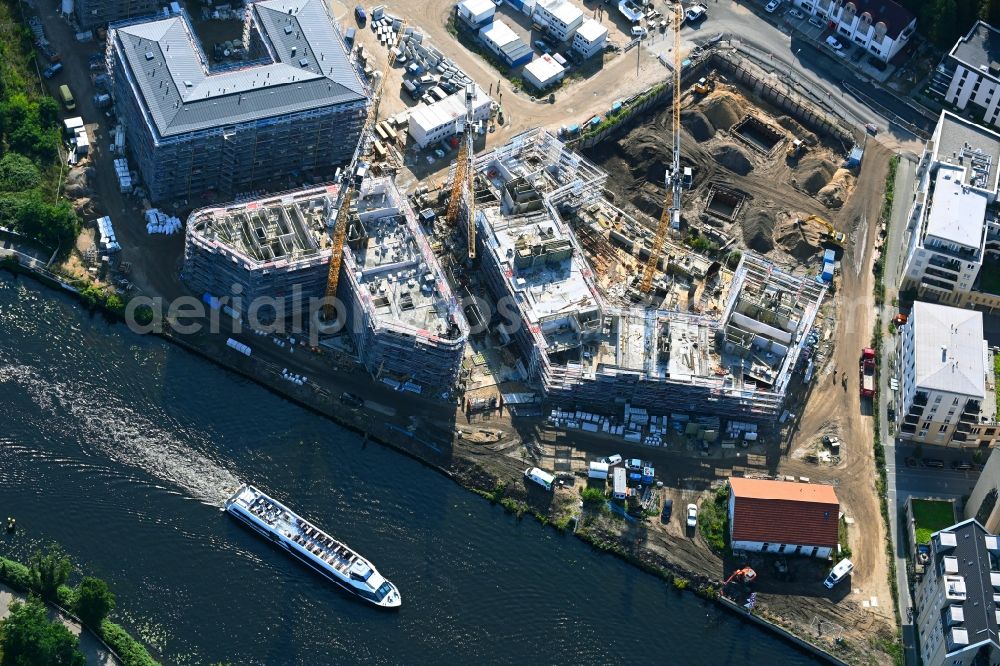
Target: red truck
{"x":867,"y":372}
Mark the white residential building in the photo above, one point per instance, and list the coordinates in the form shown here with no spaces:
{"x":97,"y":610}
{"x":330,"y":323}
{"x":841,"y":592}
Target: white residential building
{"x":956,"y":600}
{"x":590,"y":38}
{"x":476,"y":13}
{"x":946,"y":393}
{"x":970,"y":73}
{"x":559,"y":18}
{"x":952,"y":231}
{"x":881,"y":27}
{"x":543,"y":72}
{"x":444,"y":119}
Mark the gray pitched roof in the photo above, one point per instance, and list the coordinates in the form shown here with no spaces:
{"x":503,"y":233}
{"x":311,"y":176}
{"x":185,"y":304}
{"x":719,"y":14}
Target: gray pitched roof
{"x":309,"y":69}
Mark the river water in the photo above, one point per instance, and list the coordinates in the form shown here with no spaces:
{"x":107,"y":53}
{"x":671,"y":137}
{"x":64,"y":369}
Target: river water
{"x":123,"y":448}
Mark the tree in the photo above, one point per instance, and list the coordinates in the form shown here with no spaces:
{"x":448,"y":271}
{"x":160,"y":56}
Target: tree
{"x":29,"y":638}
{"x":49,"y":570}
{"x":18,"y":173}
{"x":93,"y":601}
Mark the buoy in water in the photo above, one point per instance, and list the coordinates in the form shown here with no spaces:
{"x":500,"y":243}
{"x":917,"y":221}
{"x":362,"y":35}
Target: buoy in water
{"x":11,"y":524}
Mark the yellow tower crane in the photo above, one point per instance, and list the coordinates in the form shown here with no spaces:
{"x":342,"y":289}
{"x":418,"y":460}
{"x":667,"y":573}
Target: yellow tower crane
{"x":352,"y":180}
{"x":671,"y":216}
{"x":463,"y":184}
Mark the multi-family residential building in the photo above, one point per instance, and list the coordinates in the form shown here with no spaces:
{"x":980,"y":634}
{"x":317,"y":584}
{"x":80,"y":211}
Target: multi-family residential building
{"x":881,"y":27}
{"x":590,"y":38}
{"x":953,"y":230}
{"x":970,"y":73}
{"x":982,"y":503}
{"x":958,"y":599}
{"x":559,"y":18}
{"x":946,"y":394}
{"x":292,"y":111}
{"x":94,"y":13}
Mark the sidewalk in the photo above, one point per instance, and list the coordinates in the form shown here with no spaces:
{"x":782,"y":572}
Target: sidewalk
{"x":90,"y":645}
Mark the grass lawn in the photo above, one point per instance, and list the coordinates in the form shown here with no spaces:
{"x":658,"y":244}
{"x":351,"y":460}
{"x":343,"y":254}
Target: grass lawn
{"x":931,"y":516}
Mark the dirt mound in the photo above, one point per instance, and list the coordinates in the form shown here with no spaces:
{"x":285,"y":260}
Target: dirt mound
{"x":77,"y":182}
{"x":813,"y":172}
{"x":698,"y":125}
{"x":797,"y":130}
{"x":800,"y":242}
{"x":733,"y":158}
{"x":723,"y":109}
{"x":758,"y":231}
{"x":835,"y":193}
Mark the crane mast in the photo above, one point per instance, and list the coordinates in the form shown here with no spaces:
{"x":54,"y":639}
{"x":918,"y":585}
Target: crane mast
{"x":671,"y":216}
{"x":352,"y":180}
{"x":462,"y":186}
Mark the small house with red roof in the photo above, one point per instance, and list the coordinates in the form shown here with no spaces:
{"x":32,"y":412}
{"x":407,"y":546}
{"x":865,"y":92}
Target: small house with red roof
{"x":783,"y":517}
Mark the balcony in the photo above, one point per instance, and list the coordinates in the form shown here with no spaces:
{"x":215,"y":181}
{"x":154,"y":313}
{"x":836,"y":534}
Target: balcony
{"x":936,"y":284}
{"x":919,"y":399}
{"x":946,"y":264}
{"x":937,"y":272}
{"x":912,"y":418}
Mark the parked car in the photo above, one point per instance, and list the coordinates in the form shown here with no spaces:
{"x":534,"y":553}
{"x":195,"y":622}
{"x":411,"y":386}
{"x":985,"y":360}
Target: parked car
{"x":668,"y":508}
{"x":615,"y":459}
{"x":52,"y":70}
{"x":359,"y":15}
{"x":961,"y":465}
{"x":796,"y":14}
{"x":817,"y":22}
{"x":352,"y":400}
{"x":839,"y":573}
{"x":834,"y":43}
{"x":771,"y":6}
{"x":692,"y":515}
{"x":638,"y":31}
{"x":542,"y":46}
{"x":695,"y":13}
{"x":936,"y":463}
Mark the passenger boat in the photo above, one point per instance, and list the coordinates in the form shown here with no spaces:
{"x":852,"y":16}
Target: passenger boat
{"x":312,"y":546}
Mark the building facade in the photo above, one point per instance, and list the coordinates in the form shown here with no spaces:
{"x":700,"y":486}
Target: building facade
{"x":982,"y":503}
{"x":95,"y":13}
{"x":970,"y":73}
{"x":783,"y":517}
{"x":504,"y":43}
{"x":946,"y":393}
{"x":476,"y":13}
{"x":953,"y":231}
{"x":881,"y":27}
{"x":543,"y":72}
{"x":559,"y":18}
{"x":957,"y":598}
{"x":296,"y":110}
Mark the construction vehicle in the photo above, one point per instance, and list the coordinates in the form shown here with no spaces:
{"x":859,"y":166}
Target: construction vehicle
{"x":670,"y":218}
{"x":462,"y":185}
{"x":745,"y":575}
{"x":705,"y":85}
{"x":796,"y":149}
{"x":353,"y":176}
{"x":867,"y":370}
{"x":900,"y":319}
{"x":830,"y":234}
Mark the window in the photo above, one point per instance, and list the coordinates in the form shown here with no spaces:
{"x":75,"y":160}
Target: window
{"x":937,"y":399}
{"x":955,"y":401}
{"x":943,"y":428}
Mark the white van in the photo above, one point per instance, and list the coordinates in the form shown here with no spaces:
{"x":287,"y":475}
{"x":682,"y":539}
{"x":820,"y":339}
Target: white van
{"x":839,"y":573}
{"x":539,"y":476}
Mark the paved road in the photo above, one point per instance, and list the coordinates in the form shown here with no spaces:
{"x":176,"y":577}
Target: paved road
{"x":897,"y":494}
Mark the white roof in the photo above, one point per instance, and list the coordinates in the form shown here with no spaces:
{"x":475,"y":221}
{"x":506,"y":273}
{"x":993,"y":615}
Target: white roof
{"x":477,"y":8}
{"x":592,"y":31}
{"x":957,"y":213}
{"x":563,"y":10}
{"x":498,"y":32}
{"x":544,"y":68}
{"x":451,"y":108}
{"x":948,"y":349}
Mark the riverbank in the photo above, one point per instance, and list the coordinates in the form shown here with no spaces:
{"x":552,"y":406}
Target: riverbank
{"x":111,"y":646}
{"x":487,"y":468}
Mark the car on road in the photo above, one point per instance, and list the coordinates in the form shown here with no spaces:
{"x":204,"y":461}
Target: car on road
{"x":352,"y":400}
{"x":936,"y":463}
{"x":771,"y":6}
{"x":668,"y":509}
{"x":834,"y":43}
{"x":52,"y":70}
{"x":961,"y":465}
{"x":638,"y":31}
{"x":692,"y":515}
{"x":817,"y":22}
{"x":872,"y":129}
{"x":796,"y":14}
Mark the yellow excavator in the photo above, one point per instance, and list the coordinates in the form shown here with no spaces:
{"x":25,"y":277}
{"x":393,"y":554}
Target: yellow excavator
{"x":829,"y":233}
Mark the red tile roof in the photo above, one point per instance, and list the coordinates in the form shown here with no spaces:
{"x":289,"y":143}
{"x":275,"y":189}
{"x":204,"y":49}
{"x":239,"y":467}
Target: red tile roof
{"x":782,"y":512}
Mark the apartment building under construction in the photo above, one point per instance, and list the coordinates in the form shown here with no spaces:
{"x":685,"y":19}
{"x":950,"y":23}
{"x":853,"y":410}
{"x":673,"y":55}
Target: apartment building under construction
{"x":402,"y":315}
{"x":293,"y":110}
{"x":735,"y":360}
{"x":277,"y":249}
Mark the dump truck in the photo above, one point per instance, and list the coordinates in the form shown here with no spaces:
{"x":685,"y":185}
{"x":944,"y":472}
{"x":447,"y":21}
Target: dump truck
{"x":867,"y":368}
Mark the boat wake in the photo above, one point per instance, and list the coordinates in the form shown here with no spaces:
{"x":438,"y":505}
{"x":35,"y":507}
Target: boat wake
{"x":135,"y":434}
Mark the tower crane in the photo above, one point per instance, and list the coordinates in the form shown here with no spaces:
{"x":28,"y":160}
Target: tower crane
{"x":352,"y":180}
{"x":462,"y":186}
{"x":671,"y":216}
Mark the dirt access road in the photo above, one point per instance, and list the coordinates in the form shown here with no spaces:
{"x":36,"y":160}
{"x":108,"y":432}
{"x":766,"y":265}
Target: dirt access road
{"x":832,"y":407}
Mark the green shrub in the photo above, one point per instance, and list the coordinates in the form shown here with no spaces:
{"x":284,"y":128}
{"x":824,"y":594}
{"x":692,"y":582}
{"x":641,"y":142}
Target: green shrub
{"x":713,"y":519}
{"x":18,"y":173}
{"x":50,"y":569}
{"x":593,"y":496}
{"x":131,"y":651}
